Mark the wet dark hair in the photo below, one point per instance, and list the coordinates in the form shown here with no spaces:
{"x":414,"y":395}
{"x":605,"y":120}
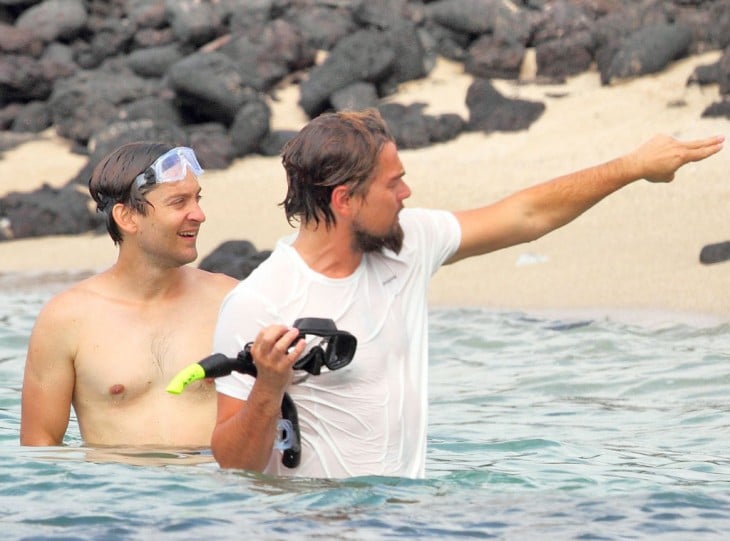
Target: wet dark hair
{"x":332,"y":149}
{"x":112,"y":180}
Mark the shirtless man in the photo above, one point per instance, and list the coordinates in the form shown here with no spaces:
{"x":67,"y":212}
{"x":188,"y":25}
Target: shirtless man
{"x":110,"y":344}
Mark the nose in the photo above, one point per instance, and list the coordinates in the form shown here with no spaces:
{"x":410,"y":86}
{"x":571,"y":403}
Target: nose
{"x":405,"y":192}
{"x":196,"y":213}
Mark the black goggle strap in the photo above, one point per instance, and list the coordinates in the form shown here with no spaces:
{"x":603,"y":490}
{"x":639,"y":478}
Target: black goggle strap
{"x":292,"y":454}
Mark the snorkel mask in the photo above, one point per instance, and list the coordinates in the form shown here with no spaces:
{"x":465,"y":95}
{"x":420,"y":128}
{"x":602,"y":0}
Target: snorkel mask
{"x":336,"y":350}
{"x":172,"y":166}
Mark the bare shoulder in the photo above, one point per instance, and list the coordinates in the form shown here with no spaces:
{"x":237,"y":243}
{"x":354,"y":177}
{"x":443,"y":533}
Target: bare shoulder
{"x":72,"y":300}
{"x":67,"y":309}
{"x":214,"y":283}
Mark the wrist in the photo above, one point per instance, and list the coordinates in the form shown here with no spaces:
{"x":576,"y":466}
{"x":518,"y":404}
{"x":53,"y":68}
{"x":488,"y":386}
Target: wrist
{"x":265,"y":399}
{"x":624,"y":170}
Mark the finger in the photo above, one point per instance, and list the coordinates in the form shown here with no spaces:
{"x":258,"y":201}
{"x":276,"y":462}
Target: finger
{"x":271,"y":350}
{"x":271,"y":334}
{"x":289,"y":348}
{"x":707,"y":142}
{"x":297,"y":349}
{"x":264,"y":348}
{"x":286,"y":339}
{"x":704,"y":152}
{"x":701,"y":149}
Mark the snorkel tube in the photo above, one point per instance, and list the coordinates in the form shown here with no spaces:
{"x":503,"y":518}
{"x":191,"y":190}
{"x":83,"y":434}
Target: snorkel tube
{"x":335,"y":351}
{"x":192,"y":372}
{"x":214,"y":366}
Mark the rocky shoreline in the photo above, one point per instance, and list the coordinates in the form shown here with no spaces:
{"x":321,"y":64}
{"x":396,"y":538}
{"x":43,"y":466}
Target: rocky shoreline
{"x":202,"y":73}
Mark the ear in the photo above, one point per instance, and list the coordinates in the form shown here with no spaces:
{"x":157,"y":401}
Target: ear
{"x":342,"y":201}
{"x":125,"y":218}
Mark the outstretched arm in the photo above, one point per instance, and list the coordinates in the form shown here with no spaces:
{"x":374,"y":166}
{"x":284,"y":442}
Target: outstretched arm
{"x":48,"y":382}
{"x":535,"y":211}
{"x":245,"y":430}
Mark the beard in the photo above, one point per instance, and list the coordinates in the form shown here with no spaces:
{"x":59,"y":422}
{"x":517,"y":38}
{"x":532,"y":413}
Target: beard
{"x":368,"y":243}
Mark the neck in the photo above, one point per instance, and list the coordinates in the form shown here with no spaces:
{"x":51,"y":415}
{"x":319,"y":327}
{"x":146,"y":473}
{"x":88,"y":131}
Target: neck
{"x":145,"y":281}
{"x":329,"y":252}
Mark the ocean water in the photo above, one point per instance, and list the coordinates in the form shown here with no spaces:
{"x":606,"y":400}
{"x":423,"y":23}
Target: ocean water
{"x":541,"y":427}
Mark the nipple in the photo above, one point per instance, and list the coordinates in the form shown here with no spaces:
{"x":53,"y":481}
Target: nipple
{"x":116,"y":389}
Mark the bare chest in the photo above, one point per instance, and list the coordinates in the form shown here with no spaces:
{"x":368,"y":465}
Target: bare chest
{"x":125,"y":357}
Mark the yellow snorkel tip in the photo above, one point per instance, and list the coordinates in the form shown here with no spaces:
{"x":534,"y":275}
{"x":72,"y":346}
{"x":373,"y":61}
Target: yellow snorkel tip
{"x":192,"y":372}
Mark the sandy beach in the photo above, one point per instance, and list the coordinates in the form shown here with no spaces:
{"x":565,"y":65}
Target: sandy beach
{"x":636,"y":251}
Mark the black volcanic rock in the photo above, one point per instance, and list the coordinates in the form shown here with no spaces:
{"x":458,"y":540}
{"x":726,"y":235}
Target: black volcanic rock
{"x":715,"y":253}
{"x":648,"y":50}
{"x":235,"y":258}
{"x":209,"y":87}
{"x":490,"y":111}
{"x":46,"y":211}
{"x":364,"y":56}
{"x":103,"y":72}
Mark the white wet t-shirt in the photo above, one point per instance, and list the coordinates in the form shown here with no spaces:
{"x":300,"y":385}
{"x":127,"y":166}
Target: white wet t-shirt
{"x":370,"y":417}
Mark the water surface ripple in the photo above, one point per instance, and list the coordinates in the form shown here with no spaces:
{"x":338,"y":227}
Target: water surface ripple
{"x":540,"y":427}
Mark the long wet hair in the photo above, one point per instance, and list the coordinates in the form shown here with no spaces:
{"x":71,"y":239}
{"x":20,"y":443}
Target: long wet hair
{"x":332,"y":149}
{"x":112,"y":180}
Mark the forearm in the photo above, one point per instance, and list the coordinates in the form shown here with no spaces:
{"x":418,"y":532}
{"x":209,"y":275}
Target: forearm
{"x":534,"y":212}
{"x":567,"y":197}
{"x":551,"y":205}
{"x":245,"y":431}
{"x":246,"y":438}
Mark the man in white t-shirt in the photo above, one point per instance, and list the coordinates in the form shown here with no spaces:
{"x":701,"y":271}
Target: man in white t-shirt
{"x":361,"y":260}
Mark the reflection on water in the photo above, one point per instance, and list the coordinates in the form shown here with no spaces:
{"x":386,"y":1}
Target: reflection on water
{"x":132,"y":456}
{"x":558,"y":426}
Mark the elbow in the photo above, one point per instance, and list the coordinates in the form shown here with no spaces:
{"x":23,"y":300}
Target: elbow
{"x":223,"y":454}
{"x":224,"y":461}
{"x":537,"y":228}
{"x":37,"y":440}
{"x":228,"y":461}
{"x":232,"y":456}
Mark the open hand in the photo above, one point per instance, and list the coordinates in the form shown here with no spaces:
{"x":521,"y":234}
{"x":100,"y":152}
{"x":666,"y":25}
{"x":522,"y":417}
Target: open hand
{"x":659,"y":158}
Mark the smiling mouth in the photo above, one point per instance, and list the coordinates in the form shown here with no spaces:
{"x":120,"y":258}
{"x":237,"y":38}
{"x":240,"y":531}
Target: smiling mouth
{"x":189,"y":234}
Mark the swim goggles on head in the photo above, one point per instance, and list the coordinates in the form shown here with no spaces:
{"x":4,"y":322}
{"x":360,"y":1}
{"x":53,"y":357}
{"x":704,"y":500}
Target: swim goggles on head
{"x":172,"y":166}
{"x":336,"y":350}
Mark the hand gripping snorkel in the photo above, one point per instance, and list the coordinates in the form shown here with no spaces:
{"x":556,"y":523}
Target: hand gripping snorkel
{"x":335,"y":351}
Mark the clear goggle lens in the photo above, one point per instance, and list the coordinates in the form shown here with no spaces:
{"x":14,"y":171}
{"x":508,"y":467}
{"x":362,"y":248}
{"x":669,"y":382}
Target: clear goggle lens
{"x":172,"y":166}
